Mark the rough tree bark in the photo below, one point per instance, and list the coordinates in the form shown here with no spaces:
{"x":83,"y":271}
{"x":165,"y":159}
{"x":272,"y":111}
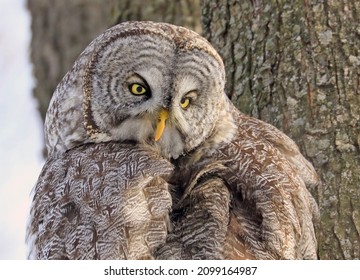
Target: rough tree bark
{"x":296,"y":64}
{"x":62,"y":29}
{"x":184,"y":12}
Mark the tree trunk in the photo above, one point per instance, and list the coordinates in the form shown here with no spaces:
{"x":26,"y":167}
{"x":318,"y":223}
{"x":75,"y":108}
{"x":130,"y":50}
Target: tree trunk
{"x":62,"y":29}
{"x":184,"y":12}
{"x":295,"y":64}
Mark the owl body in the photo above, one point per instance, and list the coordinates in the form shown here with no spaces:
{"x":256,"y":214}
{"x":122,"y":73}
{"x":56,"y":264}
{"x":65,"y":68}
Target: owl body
{"x":148,"y":159}
{"x":101,"y":201}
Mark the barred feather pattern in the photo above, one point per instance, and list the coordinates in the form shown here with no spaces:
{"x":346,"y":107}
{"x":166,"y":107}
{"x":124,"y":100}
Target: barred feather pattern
{"x":101,"y":201}
{"x":200,"y":224}
{"x":265,"y":210}
{"x":216,"y":185}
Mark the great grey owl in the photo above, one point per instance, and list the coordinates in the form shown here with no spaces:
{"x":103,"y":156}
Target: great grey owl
{"x":148,"y":159}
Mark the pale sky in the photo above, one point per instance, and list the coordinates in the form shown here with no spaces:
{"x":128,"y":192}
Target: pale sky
{"x":21,"y":135}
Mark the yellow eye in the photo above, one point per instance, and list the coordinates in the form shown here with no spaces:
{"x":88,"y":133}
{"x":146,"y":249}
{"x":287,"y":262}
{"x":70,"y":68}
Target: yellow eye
{"x":184,"y":103}
{"x":137,"y":89}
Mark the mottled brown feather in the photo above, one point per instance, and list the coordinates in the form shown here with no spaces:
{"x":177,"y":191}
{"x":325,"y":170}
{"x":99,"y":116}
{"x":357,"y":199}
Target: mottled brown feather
{"x":238,"y":185}
{"x":101,"y":201}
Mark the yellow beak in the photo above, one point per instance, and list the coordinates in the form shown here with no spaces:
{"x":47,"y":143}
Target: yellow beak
{"x":163,"y":115}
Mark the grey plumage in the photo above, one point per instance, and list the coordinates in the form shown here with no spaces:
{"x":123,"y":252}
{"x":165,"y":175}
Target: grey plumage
{"x":101,"y":201}
{"x":149,"y":159}
{"x":271,"y":214}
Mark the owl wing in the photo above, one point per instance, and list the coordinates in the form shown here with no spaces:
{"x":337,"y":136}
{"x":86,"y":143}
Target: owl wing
{"x":272,"y":208}
{"x":295,"y":176}
{"x":200,"y":220}
{"x":265,"y":210}
{"x":242,"y":207}
{"x":211,"y":221}
{"x":284,"y":144}
{"x":100,"y":201}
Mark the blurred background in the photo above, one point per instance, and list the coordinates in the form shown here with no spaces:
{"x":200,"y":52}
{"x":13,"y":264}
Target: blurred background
{"x":21,"y":136}
{"x":294,"y":64}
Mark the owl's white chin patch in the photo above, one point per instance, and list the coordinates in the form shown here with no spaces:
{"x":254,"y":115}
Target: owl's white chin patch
{"x":171,"y":144}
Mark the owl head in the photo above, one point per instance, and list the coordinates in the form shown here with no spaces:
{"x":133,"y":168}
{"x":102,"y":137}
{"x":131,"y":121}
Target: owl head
{"x":147,"y":82}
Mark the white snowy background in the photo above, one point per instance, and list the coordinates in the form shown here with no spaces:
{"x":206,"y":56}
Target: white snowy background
{"x":20,"y":128}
